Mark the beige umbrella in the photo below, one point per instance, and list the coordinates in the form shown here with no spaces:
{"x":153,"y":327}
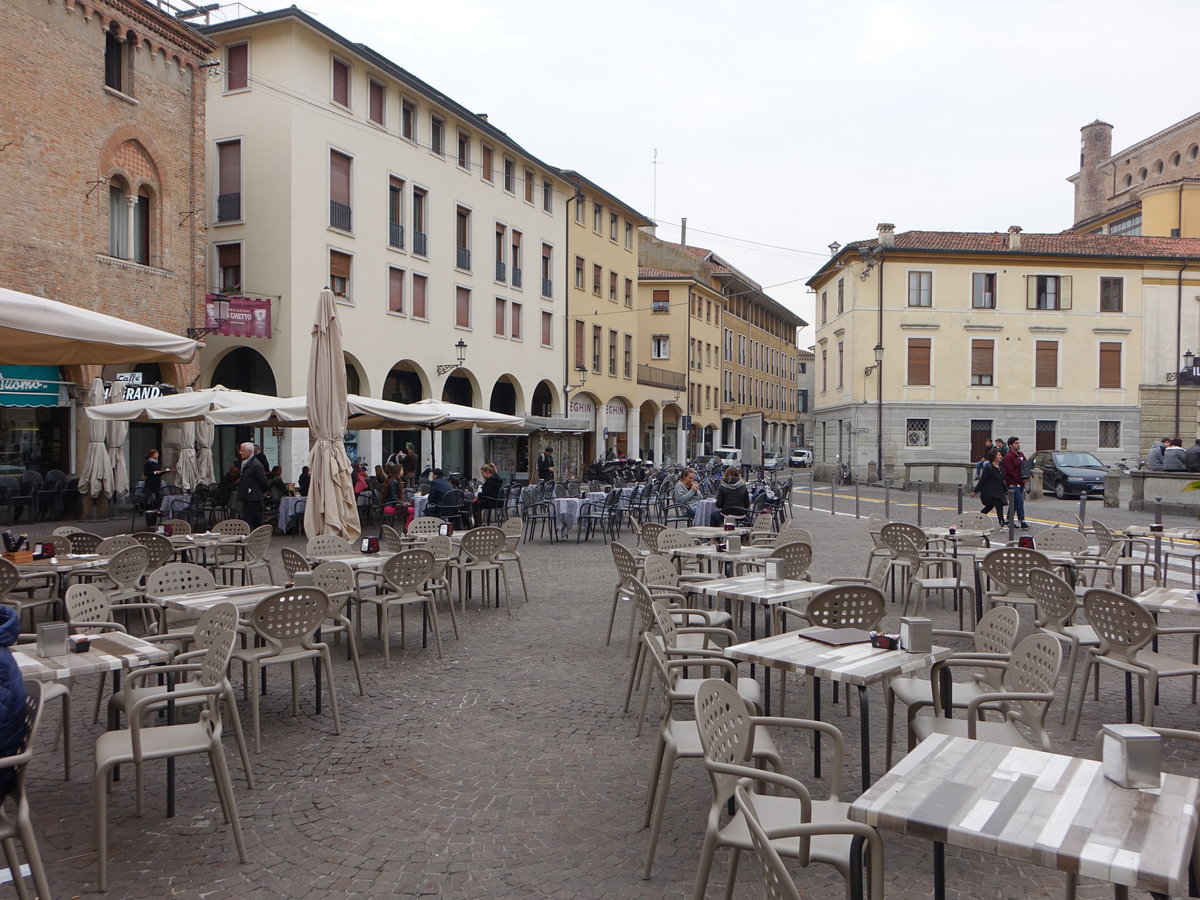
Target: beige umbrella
{"x":97,"y":469}
{"x":185,"y":463}
{"x":117,"y":432}
{"x":331,"y":508}
{"x":205,"y":433}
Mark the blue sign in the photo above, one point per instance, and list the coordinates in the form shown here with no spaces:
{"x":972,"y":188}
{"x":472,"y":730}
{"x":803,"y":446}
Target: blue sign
{"x":29,"y":386}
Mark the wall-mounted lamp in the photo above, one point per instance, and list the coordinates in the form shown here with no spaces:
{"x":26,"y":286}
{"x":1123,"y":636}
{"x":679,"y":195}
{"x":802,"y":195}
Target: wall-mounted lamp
{"x":461,"y":347}
{"x":1188,"y":374}
{"x":216,"y":314}
{"x":582,"y":372}
{"x":878,"y":359}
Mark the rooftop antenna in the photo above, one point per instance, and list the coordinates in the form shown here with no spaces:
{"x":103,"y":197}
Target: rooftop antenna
{"x":654,"y":202}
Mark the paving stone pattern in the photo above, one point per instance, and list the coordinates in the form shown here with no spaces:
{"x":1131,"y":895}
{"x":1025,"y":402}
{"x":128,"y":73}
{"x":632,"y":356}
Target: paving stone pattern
{"x":505,"y":769}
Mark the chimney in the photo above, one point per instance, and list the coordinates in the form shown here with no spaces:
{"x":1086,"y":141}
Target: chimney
{"x":482,"y":116}
{"x":887,"y":234}
{"x":1014,"y":237}
{"x":834,"y":248}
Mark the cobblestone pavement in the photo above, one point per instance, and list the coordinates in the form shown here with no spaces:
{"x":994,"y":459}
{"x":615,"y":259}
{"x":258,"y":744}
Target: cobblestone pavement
{"x":506,"y":769}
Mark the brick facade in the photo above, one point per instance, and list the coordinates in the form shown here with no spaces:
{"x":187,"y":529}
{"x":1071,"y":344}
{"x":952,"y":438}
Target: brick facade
{"x":66,"y":137}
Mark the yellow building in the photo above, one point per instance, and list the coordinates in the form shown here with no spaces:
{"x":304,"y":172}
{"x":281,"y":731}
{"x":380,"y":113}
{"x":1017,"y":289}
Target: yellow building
{"x":601,"y":319}
{"x":929,"y":344}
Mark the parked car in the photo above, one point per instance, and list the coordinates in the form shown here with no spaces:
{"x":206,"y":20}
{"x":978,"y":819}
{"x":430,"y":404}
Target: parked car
{"x":729,"y":456}
{"x":800,"y":459}
{"x":770,"y":462}
{"x":1069,"y":474}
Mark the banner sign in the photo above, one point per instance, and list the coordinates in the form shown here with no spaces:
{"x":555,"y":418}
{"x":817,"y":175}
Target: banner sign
{"x":238,"y":316}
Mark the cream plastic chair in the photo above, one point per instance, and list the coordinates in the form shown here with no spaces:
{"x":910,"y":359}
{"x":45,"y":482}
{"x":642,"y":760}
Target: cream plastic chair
{"x":174,"y":579}
{"x":160,"y":549}
{"x":629,"y":568}
{"x":293,"y":562}
{"x":18,"y":825}
{"x":83,"y":541}
{"x":777,"y":880}
{"x":232,"y":528}
{"x":1124,"y":629}
{"x":513,"y":528}
{"x":443,"y":551}
{"x":1059,"y":540}
{"x":993,"y":639}
{"x":1057,"y":605}
{"x":426,"y":525}
{"x":287,"y":621}
{"x":405,"y":577}
{"x":178,"y":526}
{"x":10,"y":579}
{"x":648,"y":536}
{"x":327,"y":545}
{"x":390,"y":540}
{"x":821,"y":831}
{"x":796,"y":556}
{"x":336,"y":579}
{"x":678,"y":738}
{"x":942,"y":574}
{"x":136,"y":744}
{"x":762,"y":531}
{"x":257,"y":544}
{"x":479,"y":551}
{"x":1030,"y":676}
{"x":1007,"y":569}
{"x":659,"y":574}
{"x":109,"y":546}
{"x":1109,"y":560}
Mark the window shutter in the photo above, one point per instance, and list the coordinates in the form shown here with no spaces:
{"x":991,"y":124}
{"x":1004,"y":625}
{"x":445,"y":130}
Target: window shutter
{"x":237,"y":69}
{"x":229,"y":255}
{"x":229,"y":167}
{"x":396,"y":290}
{"x":419,"y":283}
{"x":1064,"y":292}
{"x":918,"y":360}
{"x":1110,"y":364}
{"x":341,"y":83}
{"x":981,"y":361}
{"x":339,"y":264}
{"x":376,"y":102}
{"x":339,"y":178}
{"x":1046,"y":364}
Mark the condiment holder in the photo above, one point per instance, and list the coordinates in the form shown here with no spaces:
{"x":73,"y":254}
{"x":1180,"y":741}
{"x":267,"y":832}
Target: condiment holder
{"x":916,"y":634}
{"x":52,"y":639}
{"x":1131,"y":756}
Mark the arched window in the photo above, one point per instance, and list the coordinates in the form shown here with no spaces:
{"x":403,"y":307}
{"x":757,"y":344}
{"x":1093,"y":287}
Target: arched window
{"x":141,"y":227}
{"x":129,"y":222}
{"x":118,"y":220}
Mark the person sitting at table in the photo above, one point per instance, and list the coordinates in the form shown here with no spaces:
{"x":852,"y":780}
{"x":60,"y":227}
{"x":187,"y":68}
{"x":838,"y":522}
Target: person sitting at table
{"x":733,"y":497}
{"x":275,"y":485}
{"x":686,"y":493}
{"x":439,"y":487}
{"x":303,"y":481}
{"x":489,"y":492}
{"x":990,"y":486}
{"x":12,"y":697}
{"x":393,"y":494}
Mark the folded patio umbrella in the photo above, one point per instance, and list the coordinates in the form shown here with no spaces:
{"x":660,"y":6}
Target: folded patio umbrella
{"x":96,"y":473}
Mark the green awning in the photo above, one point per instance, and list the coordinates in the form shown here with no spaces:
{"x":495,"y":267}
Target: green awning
{"x":30,"y":386}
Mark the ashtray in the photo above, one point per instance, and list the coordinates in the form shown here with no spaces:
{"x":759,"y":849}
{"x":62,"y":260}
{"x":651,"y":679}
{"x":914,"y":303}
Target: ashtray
{"x":882,"y":641}
{"x":80,"y":643}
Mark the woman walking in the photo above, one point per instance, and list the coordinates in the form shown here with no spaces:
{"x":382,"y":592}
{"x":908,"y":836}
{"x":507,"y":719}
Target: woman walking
{"x":990,"y":486}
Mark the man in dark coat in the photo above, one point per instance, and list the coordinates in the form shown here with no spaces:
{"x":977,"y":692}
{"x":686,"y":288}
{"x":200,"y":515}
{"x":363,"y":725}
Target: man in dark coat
{"x":251,"y":486}
{"x":12,"y":696}
{"x":545,"y":465}
{"x":1191,"y":457}
{"x":439,"y":487}
{"x":411,"y":463}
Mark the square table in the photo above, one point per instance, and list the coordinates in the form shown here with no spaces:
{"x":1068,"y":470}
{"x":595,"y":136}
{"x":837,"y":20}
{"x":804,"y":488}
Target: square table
{"x":63,"y":567}
{"x":1035,"y":807}
{"x":111,"y":651}
{"x":1169,"y":600}
{"x":709,"y":552}
{"x":710,"y":532}
{"x":860,"y":665}
{"x":755,"y":589}
{"x":244,"y":598}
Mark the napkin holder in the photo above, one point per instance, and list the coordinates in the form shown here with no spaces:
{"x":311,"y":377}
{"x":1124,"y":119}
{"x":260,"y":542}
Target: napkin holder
{"x":302,"y":578}
{"x":1131,"y":756}
{"x":774,"y":571}
{"x":52,"y":639}
{"x":735,"y":543}
{"x":916,"y":634}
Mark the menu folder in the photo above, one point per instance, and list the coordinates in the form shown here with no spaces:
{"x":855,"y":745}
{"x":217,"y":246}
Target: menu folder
{"x":836,"y":637}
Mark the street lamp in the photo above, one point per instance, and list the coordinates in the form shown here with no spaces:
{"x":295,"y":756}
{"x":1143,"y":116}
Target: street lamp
{"x":878,"y":359}
{"x":582,"y":372}
{"x":461,"y":347}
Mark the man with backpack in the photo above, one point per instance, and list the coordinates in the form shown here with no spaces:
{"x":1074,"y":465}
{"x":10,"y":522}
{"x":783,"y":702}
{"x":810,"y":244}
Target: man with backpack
{"x":1015,"y":475}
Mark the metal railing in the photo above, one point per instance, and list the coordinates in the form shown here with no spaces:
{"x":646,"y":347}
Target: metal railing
{"x":229,"y":207}
{"x":420,"y":243}
{"x":657,"y":377}
{"x":547,"y":287}
{"x":500,"y":268}
{"x":340,"y":215}
{"x":516,"y":277}
{"x":462,"y":257}
{"x":396,"y":235}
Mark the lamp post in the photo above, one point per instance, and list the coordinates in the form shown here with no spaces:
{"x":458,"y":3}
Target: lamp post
{"x":1188,"y":375}
{"x":461,"y":347}
{"x":878,"y":410}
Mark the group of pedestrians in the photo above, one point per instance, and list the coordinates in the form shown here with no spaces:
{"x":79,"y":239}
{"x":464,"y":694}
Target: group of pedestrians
{"x":1003,"y":468}
{"x":1168,"y":455}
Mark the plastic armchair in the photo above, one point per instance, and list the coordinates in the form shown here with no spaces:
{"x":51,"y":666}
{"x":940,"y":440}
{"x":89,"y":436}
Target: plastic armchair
{"x":1057,"y":605}
{"x":660,"y":575}
{"x":762,"y":531}
{"x":17,"y":824}
{"x":258,"y":542}
{"x":1124,"y":629}
{"x":479,"y":552}
{"x":405,"y":578}
{"x":777,"y":880}
{"x":178,"y":526}
{"x":1109,"y":561}
{"x":1030,"y":676}
{"x":513,"y":528}
{"x":796,"y":556}
{"x":819,"y":830}
{"x":336,"y":579}
{"x":993,"y":639}
{"x":327,"y":545}
{"x":137,"y":744}
{"x":1007,"y":569}
{"x":629,"y":568}
{"x":390,"y":540}
{"x":287,"y":621}
{"x":940,"y":574}
{"x":83,"y":542}
{"x":12,"y":580}
{"x":648,"y":536}
{"x":426,"y":525}
{"x":160,"y":549}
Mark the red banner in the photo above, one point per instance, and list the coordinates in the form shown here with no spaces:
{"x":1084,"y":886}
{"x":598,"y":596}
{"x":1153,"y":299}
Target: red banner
{"x":238,"y":316}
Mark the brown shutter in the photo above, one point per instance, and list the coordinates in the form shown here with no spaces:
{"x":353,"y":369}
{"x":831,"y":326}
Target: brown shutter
{"x":237,"y":72}
{"x":341,"y":83}
{"x":396,"y":290}
{"x":579,"y":354}
{"x":339,"y":178}
{"x":229,"y":255}
{"x":1046,"y":364}
{"x":918,"y":360}
{"x":339,"y":264}
{"x":1110,"y":364}
{"x":419,"y":283}
{"x":229,"y":167}
{"x":376,"y":102}
{"x":981,"y":361}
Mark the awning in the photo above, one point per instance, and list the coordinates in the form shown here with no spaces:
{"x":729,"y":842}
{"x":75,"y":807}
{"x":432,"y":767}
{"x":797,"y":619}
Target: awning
{"x":30,"y":386}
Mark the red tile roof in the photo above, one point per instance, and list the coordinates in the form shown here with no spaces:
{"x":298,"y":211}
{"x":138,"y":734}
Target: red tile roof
{"x":648,"y":272}
{"x":1065,"y":244}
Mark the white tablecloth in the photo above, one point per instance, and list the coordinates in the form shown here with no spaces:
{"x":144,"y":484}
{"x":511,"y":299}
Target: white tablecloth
{"x":566,"y":511}
{"x":419,"y":503}
{"x":287,"y":508}
{"x":595,"y":495}
{"x":172,"y":504}
{"x":704,"y":509}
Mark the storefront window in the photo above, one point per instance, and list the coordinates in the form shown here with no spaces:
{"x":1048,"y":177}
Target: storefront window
{"x":35,"y":420}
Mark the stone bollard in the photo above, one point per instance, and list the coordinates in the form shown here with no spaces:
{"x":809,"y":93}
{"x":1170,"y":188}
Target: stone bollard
{"x":1112,"y":491}
{"x":1033,"y":490}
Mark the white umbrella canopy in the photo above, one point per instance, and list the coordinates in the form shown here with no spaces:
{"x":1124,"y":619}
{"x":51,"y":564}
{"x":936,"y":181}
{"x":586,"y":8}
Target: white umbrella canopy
{"x":37,"y":331}
{"x":189,"y":405}
{"x":118,"y":431}
{"x":204,"y":455}
{"x":331,"y":508}
{"x":362,"y":413}
{"x":443,"y":416}
{"x":96,"y":473}
{"x":185,"y":464}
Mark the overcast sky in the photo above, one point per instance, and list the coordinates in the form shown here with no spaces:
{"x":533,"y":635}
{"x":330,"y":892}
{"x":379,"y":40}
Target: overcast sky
{"x":794,"y":124}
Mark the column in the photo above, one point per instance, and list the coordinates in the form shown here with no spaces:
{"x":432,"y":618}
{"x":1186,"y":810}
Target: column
{"x":600,"y":445}
{"x":633,"y":432}
{"x":680,"y":446}
{"x":658,"y":435}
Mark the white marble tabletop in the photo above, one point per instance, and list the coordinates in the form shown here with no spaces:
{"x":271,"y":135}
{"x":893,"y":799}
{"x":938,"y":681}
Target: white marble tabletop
{"x":244,"y":598}
{"x":755,"y":588}
{"x":1026,"y":805}
{"x":1169,"y":600}
{"x":109,"y":651}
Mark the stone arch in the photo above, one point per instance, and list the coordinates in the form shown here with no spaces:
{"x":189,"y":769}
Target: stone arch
{"x":244,"y":369}
{"x":544,"y":399}
{"x":406,"y":382}
{"x":356,"y":376}
{"x":507,"y":396}
{"x":462,"y":383}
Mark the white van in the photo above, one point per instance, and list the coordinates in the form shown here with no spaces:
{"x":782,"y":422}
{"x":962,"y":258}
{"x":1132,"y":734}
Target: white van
{"x":729,"y":456}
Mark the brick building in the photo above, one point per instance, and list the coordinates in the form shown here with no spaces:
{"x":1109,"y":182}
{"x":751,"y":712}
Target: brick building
{"x":102,"y":151}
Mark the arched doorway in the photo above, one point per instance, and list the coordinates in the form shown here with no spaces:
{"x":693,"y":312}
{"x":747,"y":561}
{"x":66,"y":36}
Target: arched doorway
{"x":405,"y":383}
{"x":243,"y":369}
{"x":456,"y":445}
{"x":543,"y":400}
{"x":356,"y":447}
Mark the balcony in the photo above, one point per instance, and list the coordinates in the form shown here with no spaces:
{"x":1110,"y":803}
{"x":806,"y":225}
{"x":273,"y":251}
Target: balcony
{"x":229,"y":207}
{"x":420,"y":243}
{"x":660,"y":306}
{"x":462,"y":258}
{"x":396,"y":235}
{"x":516,"y":277}
{"x":547,"y":287}
{"x":339,"y":216}
{"x":653,"y":376}
{"x":500,"y":269}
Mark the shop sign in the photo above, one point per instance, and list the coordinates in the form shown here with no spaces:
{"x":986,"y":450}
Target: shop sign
{"x":616,"y":415}
{"x":30,"y":386}
{"x":238,"y":316}
{"x":581,"y":407}
{"x":141,"y":391}
{"x":130,"y":377}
